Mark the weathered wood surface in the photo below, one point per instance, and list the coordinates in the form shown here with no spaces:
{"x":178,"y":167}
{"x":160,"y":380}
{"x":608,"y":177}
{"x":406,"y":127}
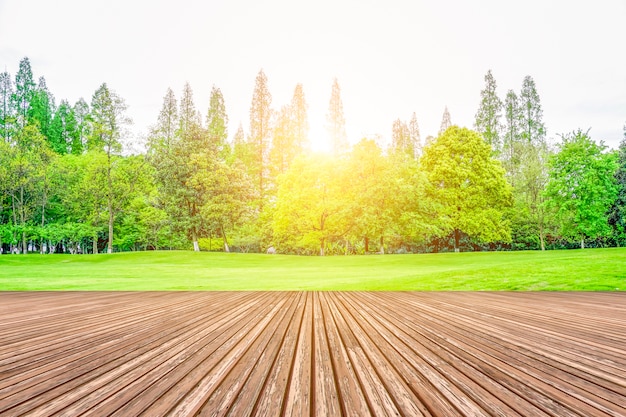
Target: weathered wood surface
{"x":315,"y":353}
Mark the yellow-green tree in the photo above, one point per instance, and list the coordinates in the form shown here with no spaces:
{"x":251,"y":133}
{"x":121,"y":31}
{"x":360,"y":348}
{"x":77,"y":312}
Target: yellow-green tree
{"x":468,"y":184}
{"x":310,"y":210}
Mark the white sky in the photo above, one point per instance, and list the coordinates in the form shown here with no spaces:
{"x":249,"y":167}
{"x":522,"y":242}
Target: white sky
{"x":391,"y":57}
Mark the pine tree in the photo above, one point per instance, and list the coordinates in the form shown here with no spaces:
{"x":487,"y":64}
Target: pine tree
{"x":487,"y":120}
{"x":168,"y":119}
{"x":401,"y":138}
{"x":512,"y":136}
{"x":260,"y":133}
{"x":531,"y":124}
{"x":446,"y":122}
{"x":217,"y":122}
{"x":6,"y":110}
{"x":283,"y":142}
{"x":300,"y":118}
{"x":414,"y":134}
{"x":42,"y":108}
{"x":64,"y":137}
{"x":24,"y":90}
{"x":82,"y":116}
{"x":336,"y":122}
{"x":189,"y":118}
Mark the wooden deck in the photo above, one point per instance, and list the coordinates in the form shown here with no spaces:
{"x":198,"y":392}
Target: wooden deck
{"x":316,"y":353}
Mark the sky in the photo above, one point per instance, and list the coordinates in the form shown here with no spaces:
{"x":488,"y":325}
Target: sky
{"x":391,"y":57}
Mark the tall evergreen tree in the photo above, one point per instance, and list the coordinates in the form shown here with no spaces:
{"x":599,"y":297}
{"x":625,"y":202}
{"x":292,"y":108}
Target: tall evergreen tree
{"x":414,"y":134}
{"x":189,"y":118}
{"x":6,"y":109}
{"x":446,"y":121}
{"x":82,"y":114}
{"x":260,"y":133}
{"x":24,"y":90}
{"x":512,"y":133}
{"x":108,"y":121}
{"x":168,"y":119}
{"x":300,"y":118}
{"x":284,"y":147}
{"x":42,"y":108}
{"x":531,"y":115}
{"x":401,"y":138}
{"x":487,"y":121}
{"x":336,"y":123}
{"x":217,"y":121}
{"x":64,"y":136}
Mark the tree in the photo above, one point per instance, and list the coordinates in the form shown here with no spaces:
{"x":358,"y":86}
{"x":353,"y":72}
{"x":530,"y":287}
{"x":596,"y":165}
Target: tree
{"x":401,"y":140}
{"x":414,"y":134}
{"x":26,"y":172}
{"x":468,"y":184}
{"x":189,"y":118}
{"x":6,"y":110}
{"x":42,"y":108}
{"x":284,"y":146}
{"x":336,"y":123}
{"x":377,"y":194}
{"x":309,"y":210}
{"x":445,"y":121}
{"x":617,"y":214}
{"x":64,"y":136}
{"x":582,"y":186}
{"x":531,"y":124}
{"x":487,"y":121}
{"x":300,"y":118}
{"x":531,"y":177}
{"x":82,"y":116}
{"x":260,"y":133}
{"x":512,"y":135}
{"x":107,"y":129}
{"x":23,"y":93}
{"x":217,"y":122}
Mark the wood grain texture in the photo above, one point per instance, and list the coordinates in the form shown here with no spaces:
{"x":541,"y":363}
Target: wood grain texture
{"x":312,"y":353}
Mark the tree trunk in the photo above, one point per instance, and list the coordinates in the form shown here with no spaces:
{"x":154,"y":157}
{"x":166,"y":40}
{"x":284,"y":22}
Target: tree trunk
{"x":322,"y":247}
{"x":582,"y":242}
{"x":382,"y":245}
{"x":226,"y":248}
{"x":23,"y":221}
{"x":95,"y":245}
{"x":110,"y":243}
{"x":367,"y":244}
{"x":456,"y":240}
{"x":194,"y":238}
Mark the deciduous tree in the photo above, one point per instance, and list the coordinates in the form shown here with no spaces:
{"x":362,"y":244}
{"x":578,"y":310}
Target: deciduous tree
{"x":582,"y":186}
{"x":468,"y":184}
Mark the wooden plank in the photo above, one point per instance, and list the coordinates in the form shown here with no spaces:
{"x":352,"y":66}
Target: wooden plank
{"x":312,"y":353}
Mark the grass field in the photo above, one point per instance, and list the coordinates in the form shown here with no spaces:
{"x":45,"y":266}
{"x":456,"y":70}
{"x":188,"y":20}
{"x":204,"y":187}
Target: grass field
{"x":571,"y":270}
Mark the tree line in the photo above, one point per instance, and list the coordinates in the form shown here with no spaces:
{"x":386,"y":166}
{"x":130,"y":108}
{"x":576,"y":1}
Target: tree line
{"x":68,"y":185}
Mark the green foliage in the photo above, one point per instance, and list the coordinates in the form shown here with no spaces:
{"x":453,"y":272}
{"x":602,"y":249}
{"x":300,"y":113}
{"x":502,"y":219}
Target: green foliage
{"x":617,"y":214}
{"x":468,"y":184}
{"x":336,"y":122}
{"x":582,"y":186}
{"x":487,"y":121}
{"x":66,"y":184}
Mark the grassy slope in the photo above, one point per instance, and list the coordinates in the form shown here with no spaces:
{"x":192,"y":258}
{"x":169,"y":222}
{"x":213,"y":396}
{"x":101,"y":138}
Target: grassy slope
{"x":590,"y":269}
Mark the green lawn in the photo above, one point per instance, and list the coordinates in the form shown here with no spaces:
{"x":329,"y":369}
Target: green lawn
{"x":570,"y":270}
